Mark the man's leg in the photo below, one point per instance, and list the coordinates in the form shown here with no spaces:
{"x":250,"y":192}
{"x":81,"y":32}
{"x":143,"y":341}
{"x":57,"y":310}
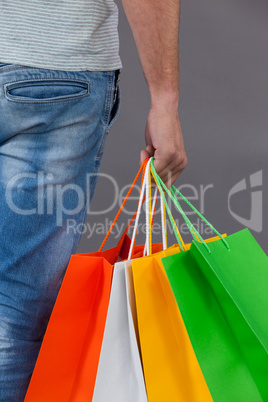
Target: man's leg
{"x":53,"y":126}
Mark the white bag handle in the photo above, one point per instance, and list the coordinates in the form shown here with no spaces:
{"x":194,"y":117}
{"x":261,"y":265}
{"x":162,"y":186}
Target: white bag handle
{"x":145,"y":189}
{"x":138,"y":214}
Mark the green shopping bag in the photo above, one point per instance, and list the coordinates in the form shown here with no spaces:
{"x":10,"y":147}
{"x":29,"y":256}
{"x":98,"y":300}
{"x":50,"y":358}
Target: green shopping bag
{"x":239,"y":279}
{"x":218,"y":352}
{"x":221,"y":291}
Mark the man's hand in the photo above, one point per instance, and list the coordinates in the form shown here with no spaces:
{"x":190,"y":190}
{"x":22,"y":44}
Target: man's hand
{"x":164,"y":141}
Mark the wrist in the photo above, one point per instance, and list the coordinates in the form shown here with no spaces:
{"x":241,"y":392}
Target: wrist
{"x":165,"y":99}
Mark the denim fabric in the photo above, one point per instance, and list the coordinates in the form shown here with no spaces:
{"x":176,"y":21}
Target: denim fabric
{"x":53,"y":127}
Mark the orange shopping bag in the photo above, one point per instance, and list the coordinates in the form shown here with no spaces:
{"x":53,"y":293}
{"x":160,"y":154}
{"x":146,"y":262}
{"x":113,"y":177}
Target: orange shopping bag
{"x":67,"y":364}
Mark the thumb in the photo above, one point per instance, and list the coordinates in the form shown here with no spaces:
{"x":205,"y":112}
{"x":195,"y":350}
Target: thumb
{"x":144,"y":155}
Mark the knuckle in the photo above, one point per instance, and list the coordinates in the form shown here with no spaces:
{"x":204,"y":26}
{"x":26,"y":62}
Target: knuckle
{"x":171,"y":153}
{"x":184,"y":162}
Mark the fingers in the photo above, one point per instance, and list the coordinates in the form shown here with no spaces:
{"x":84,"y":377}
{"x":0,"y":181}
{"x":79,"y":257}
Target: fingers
{"x":150,"y":149}
{"x":170,"y":171}
{"x":143,"y":155}
{"x":146,"y":153}
{"x":168,"y":174}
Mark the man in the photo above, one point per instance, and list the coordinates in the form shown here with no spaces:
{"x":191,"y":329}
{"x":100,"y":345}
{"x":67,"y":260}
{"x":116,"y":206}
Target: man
{"x":59,"y":97}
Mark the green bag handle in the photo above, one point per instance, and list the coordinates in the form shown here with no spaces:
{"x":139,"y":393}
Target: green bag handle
{"x":162,"y":186}
{"x":192,"y":228}
{"x":175,"y":230}
{"x":172,"y":196}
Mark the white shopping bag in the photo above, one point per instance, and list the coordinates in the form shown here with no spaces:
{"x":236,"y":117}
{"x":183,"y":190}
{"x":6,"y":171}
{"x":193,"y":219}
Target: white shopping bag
{"x":120,"y":376}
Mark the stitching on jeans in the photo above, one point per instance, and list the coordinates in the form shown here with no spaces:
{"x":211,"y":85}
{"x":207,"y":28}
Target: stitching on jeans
{"x":107,"y":110}
{"x":64,"y":98}
{"x":109,"y":89}
{"x":47,"y":79}
{"x":13,"y":67}
{"x":118,"y":102}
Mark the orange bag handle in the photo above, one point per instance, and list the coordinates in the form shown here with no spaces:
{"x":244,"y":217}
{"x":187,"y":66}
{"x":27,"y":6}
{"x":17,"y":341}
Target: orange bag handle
{"x":141,"y":169}
{"x":145,"y":188}
{"x":133,"y":217}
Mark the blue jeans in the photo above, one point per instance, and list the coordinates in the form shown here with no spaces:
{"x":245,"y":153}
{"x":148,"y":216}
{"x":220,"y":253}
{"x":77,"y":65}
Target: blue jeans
{"x":53,"y":127}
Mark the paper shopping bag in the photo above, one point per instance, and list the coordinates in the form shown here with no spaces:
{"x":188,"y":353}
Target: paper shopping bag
{"x":220,"y":290}
{"x":120,"y":376}
{"x":218,"y":352}
{"x":171,"y":370}
{"x":68,"y":360}
{"x":67,"y":363}
{"x":239,"y":279}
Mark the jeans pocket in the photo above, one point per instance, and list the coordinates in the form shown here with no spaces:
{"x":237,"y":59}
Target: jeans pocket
{"x":45,"y":90}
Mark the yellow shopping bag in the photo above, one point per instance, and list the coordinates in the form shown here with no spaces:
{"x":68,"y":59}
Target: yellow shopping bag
{"x":171,"y":370}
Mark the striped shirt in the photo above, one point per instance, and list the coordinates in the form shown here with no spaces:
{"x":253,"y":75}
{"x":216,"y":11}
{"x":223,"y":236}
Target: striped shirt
{"x":72,"y":35}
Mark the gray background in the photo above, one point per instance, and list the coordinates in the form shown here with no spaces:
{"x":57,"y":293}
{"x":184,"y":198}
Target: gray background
{"x":223,"y":111}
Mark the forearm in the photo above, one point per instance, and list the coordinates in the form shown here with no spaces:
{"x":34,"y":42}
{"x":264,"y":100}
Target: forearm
{"x":155,"y":27}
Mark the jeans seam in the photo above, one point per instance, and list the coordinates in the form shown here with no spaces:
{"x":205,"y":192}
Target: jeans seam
{"x":110,"y":83}
{"x":47,"y":79}
{"x":13,"y":67}
{"x":107,"y":111}
{"x":117,"y":99}
{"x":44,"y":102}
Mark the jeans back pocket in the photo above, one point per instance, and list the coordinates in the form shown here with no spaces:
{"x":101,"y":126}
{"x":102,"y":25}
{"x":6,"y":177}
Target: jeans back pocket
{"x":45,"y":90}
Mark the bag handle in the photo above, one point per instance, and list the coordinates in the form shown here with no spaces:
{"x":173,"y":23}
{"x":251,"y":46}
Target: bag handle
{"x":138,"y":212}
{"x":146,"y":188}
{"x":150,"y":214}
{"x":163,"y":222}
{"x":141,"y":169}
{"x":167,"y":209}
{"x":147,"y":249}
{"x":148,"y":205}
{"x":192,"y":229}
